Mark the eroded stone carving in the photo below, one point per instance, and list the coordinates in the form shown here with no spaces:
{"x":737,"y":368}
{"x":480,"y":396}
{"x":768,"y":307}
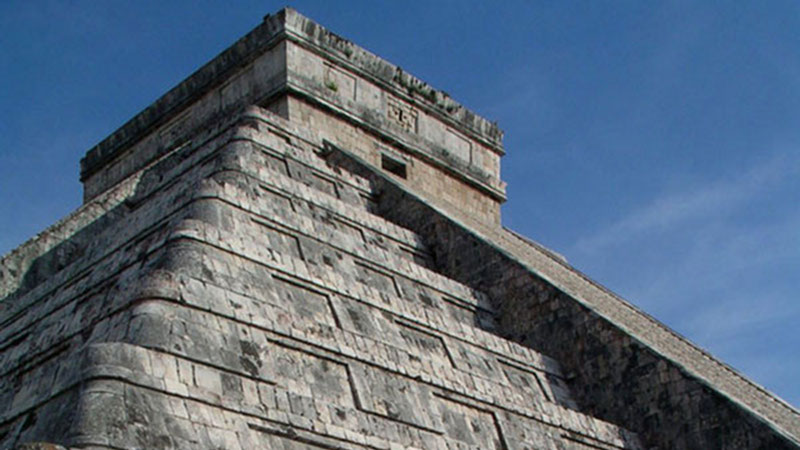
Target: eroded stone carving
{"x":402,"y":115}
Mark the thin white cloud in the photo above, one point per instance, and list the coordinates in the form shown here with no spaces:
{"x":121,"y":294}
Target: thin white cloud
{"x":720,"y":323}
{"x":744,"y":331}
{"x":678,"y":209}
{"x":705,"y":261}
{"x":715,"y":263}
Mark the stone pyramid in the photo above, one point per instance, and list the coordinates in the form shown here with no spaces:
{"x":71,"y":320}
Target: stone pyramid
{"x":299,"y":247}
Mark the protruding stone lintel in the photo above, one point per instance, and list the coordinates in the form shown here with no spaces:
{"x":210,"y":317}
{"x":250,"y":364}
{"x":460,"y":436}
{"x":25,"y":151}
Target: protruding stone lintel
{"x":392,"y":76}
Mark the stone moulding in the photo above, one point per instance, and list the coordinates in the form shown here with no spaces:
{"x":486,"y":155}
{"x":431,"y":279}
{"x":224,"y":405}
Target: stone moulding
{"x":290,"y":25}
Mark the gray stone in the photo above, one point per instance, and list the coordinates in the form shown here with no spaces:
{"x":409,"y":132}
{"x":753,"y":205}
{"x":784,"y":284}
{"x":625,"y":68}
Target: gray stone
{"x":299,"y":247}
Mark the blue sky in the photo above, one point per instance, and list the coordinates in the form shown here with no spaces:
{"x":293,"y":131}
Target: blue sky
{"x":655,"y":144}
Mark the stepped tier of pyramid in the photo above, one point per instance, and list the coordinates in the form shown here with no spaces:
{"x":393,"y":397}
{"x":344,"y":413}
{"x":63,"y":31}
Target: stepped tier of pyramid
{"x":299,"y":247}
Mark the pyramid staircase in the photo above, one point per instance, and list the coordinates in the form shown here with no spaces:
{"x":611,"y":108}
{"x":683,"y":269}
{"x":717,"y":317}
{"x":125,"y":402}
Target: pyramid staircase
{"x":248,"y":296}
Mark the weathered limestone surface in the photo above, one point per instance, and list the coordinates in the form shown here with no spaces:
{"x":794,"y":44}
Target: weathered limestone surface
{"x":620,"y":364}
{"x":288,"y":62}
{"x":246,"y":295}
{"x":299,"y":247}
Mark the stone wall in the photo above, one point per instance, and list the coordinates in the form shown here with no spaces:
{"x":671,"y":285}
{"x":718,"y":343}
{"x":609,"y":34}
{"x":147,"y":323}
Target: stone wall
{"x":622,"y":365}
{"x":293,"y":66}
{"x":245,"y":295}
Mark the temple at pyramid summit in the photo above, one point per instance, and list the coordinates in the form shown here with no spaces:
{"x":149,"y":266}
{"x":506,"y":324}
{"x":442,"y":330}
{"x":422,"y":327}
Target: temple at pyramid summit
{"x":300,"y":247}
